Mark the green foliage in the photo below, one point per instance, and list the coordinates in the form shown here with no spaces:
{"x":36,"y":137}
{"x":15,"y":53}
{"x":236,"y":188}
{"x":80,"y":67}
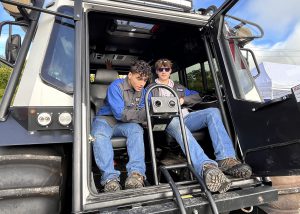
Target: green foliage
{"x":4,"y":77}
{"x":1,"y":93}
{"x":5,"y":73}
{"x":195,"y":80}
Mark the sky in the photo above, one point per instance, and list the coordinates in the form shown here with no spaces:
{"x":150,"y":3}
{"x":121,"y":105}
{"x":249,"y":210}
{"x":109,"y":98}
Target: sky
{"x":3,"y":37}
{"x":279,"y":19}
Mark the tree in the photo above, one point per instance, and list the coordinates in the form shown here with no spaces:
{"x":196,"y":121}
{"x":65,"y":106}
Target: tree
{"x":5,"y":73}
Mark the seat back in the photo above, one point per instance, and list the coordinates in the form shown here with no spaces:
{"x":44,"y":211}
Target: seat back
{"x":99,"y":87}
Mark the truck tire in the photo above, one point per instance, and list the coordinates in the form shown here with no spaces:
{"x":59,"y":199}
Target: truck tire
{"x":289,"y":203}
{"x":31,"y":179}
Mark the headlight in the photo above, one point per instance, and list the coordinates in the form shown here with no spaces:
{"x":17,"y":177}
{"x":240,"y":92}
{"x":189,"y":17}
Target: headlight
{"x":65,"y":118}
{"x":44,"y":119}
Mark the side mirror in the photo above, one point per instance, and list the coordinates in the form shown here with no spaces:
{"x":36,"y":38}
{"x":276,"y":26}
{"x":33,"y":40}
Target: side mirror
{"x":13,"y":33}
{"x":13,"y":45}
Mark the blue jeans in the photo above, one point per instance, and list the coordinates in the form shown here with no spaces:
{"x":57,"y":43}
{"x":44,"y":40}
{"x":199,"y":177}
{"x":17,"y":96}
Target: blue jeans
{"x":103,"y":149}
{"x":194,"y":121}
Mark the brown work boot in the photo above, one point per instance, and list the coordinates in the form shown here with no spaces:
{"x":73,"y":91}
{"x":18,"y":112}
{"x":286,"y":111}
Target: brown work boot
{"x":134,"y":180}
{"x":235,"y":168}
{"x":112,"y":185}
{"x":215,"y":179}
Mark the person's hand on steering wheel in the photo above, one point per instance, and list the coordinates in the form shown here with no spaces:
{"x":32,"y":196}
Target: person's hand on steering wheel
{"x":181,"y":101}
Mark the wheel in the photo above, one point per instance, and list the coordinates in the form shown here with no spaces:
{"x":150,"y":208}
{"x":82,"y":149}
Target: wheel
{"x":288,"y":203}
{"x":31,"y":179}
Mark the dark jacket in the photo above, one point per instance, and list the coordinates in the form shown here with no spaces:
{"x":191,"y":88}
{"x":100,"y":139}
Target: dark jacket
{"x":123,"y":103}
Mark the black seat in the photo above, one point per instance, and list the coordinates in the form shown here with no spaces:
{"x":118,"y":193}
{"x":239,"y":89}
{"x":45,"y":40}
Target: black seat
{"x":98,"y":90}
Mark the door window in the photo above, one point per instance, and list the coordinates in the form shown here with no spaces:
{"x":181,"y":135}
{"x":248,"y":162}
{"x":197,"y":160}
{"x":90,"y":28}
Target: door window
{"x":245,"y":83}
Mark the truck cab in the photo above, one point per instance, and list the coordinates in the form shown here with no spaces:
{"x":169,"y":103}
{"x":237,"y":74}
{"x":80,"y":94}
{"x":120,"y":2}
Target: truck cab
{"x":59,"y":81}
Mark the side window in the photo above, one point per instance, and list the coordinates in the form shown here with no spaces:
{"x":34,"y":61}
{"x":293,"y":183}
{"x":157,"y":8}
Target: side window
{"x":194,"y":77}
{"x":208,"y":81}
{"x":58,"y":67}
{"x":175,"y":77}
{"x":199,"y":78}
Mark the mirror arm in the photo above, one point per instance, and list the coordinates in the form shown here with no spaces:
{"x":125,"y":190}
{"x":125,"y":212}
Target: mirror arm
{"x":19,"y":23}
{"x":6,"y":63}
{"x":16,"y":3}
{"x":24,"y":13}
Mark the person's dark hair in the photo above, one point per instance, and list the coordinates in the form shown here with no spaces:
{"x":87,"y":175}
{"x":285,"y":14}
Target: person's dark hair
{"x":142,"y":68}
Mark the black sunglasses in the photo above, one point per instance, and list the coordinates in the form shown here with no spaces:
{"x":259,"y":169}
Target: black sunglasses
{"x":162,"y":69}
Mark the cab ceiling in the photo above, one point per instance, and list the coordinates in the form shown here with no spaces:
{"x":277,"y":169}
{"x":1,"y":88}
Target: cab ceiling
{"x":166,"y":39}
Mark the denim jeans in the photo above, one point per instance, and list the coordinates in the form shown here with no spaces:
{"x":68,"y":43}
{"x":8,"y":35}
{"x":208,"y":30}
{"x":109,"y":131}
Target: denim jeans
{"x":194,"y":121}
{"x":103,"y":149}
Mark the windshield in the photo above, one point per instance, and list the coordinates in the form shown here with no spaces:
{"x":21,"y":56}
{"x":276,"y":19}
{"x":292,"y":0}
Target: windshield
{"x":58,"y":67}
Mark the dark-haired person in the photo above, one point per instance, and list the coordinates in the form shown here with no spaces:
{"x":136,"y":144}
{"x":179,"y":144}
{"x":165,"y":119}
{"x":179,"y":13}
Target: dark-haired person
{"x":211,"y":118}
{"x":123,"y":102}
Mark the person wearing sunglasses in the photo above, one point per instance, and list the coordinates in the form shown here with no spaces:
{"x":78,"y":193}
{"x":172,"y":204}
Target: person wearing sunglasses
{"x":226,"y":162}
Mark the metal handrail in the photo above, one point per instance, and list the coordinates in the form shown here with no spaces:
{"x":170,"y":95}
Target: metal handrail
{"x":36,"y":8}
{"x":151,"y":141}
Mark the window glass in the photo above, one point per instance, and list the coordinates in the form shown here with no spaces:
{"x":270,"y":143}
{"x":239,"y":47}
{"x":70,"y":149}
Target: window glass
{"x":241,"y":77}
{"x":199,"y":78}
{"x":209,"y":85}
{"x":58,"y":67}
{"x":175,"y":77}
{"x":194,"y":77}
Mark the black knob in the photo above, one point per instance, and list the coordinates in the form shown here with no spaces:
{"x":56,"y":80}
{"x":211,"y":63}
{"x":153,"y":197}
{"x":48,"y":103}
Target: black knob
{"x":172,"y":103}
{"x":157,"y":103}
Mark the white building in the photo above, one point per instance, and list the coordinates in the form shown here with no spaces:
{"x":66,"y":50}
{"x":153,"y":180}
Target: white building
{"x":276,"y":80}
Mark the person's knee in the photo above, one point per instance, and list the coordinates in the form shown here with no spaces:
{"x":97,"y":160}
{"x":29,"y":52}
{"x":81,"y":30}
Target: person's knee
{"x":174,"y":124}
{"x":100,"y":129}
{"x":134,"y":128}
{"x":213,"y":112}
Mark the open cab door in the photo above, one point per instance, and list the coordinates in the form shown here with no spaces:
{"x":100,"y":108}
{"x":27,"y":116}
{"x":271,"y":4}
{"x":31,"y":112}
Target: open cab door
{"x":267,"y":131}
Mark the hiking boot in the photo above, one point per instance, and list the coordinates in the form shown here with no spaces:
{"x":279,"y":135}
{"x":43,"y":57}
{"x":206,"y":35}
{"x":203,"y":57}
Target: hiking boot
{"x":112,"y":185}
{"x":134,"y":180}
{"x":215,"y":179}
{"x":235,"y":168}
